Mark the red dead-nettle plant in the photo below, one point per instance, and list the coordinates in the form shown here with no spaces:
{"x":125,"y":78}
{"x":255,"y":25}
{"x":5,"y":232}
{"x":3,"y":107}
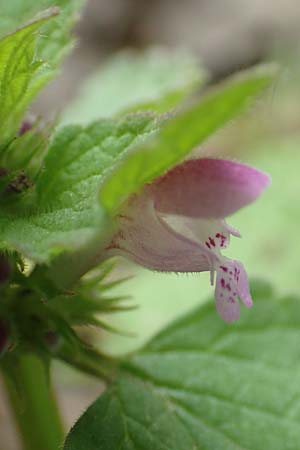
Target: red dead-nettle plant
{"x":74,"y":196}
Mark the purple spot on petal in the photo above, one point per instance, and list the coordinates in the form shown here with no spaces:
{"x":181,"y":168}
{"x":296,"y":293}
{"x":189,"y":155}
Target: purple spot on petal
{"x":212,"y":242}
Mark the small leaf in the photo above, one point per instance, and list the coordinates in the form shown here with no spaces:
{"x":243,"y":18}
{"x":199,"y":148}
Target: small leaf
{"x":182,"y":133}
{"x":21,"y":75}
{"x":55,"y":36}
{"x":155,"y":80}
{"x":24,"y":54}
{"x":203,"y":384}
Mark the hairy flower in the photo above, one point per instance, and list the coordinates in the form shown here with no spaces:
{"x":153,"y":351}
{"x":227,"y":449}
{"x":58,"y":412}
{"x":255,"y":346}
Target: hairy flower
{"x":177,"y":224}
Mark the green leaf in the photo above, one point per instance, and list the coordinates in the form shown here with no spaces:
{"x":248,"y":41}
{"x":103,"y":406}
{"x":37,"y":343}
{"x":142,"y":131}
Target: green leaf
{"x":201,"y":384}
{"x":41,"y":234}
{"x":22,"y":75}
{"x":155,"y":80}
{"x":62,"y":213}
{"x":80,"y":156}
{"x":184,"y":132}
{"x":24,"y":54}
{"x":55,"y":38}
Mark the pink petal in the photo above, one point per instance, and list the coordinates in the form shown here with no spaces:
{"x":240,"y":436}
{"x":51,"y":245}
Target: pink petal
{"x":227,"y":301}
{"x":228,"y":310}
{"x":231,"y":285}
{"x":243,"y":285}
{"x":208,"y":188}
{"x":148,"y":240}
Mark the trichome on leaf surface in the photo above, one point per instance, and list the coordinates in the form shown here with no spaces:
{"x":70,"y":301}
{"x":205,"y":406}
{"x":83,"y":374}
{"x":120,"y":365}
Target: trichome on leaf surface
{"x":73,"y":196}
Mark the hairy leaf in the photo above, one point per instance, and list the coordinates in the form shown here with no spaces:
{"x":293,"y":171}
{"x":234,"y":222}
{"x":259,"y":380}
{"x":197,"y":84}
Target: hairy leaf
{"x":203,"y":384}
{"x":62,"y":212}
{"x":30,"y":55}
{"x":55,"y":38}
{"x":21,"y":75}
{"x":80,"y":156}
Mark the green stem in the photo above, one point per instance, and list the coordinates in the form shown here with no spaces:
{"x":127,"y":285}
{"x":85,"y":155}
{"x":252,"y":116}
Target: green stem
{"x":33,"y":404}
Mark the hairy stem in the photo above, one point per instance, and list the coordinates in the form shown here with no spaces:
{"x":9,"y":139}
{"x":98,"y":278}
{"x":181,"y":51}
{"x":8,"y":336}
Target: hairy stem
{"x":33,"y":404}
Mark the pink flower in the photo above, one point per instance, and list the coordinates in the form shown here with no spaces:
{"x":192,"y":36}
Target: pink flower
{"x":177,"y":224}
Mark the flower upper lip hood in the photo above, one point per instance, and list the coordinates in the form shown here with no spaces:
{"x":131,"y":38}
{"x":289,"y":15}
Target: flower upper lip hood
{"x":177,"y":224}
{"x":208,"y":188}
